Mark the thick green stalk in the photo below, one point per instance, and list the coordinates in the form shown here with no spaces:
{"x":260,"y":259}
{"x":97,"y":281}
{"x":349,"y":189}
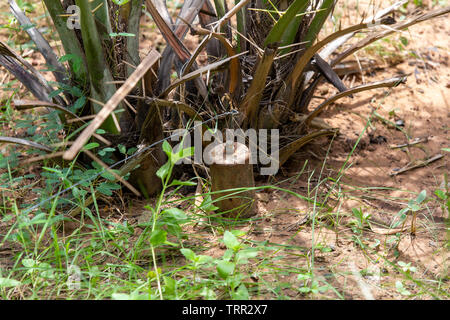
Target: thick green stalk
{"x":68,"y":38}
{"x":240,"y":19}
{"x":102,"y":88}
{"x":220,"y":10}
{"x":102,"y":13}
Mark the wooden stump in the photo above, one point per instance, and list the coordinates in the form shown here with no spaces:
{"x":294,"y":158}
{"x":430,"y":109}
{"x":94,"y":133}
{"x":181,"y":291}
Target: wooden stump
{"x":229,"y":171}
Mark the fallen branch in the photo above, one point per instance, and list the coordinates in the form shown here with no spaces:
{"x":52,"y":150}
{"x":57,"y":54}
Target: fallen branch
{"x":416,"y":141}
{"x":418,"y":165}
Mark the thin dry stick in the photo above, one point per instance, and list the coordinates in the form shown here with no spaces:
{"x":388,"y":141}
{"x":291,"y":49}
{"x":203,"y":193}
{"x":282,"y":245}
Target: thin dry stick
{"x":90,"y":117}
{"x":43,"y":157}
{"x":416,"y":141}
{"x":418,"y":165}
{"x":129,"y":105}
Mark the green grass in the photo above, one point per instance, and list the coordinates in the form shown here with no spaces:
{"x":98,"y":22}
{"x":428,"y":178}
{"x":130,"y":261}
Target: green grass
{"x":165,"y":255}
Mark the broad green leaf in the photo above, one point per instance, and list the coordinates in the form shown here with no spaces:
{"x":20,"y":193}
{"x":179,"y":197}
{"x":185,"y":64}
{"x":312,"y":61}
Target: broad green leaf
{"x":243,"y":255}
{"x":74,"y":59}
{"x":79,"y":103}
{"x":208,"y":293}
{"x":202,"y":259}
{"x":107,"y":187}
{"x":121,"y":296}
{"x":401,"y":288}
{"x":167,"y":148}
{"x":241,"y":293}
{"x":169,"y":285}
{"x":184,"y":153}
{"x":188,"y":254}
{"x":55,"y":93}
{"x":225,"y":269}
{"x":109,"y":176}
{"x":163,"y":171}
{"x":158,"y":237}
{"x":304,"y":276}
{"x":6,"y":283}
{"x":29,"y":263}
{"x":91,"y":145}
{"x":176,"y":213}
{"x":122,"y":148}
{"x":422,"y":196}
{"x":176,"y":182}
{"x":228,"y":255}
{"x":207,"y":204}
{"x":231,"y":241}
{"x":304,"y":290}
{"x":440,"y":194}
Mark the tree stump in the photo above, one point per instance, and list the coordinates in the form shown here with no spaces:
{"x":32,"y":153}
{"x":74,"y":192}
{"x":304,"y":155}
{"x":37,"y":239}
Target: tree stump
{"x":230,"y":170}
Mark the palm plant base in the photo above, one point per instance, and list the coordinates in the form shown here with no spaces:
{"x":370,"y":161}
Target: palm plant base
{"x":267,"y":68}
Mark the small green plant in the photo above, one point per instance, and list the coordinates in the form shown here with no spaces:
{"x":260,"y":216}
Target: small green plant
{"x":406,"y":267}
{"x":362,"y":219}
{"x":311,"y":285}
{"x":414,"y":206}
{"x":228,"y":267}
{"x":401,"y":288}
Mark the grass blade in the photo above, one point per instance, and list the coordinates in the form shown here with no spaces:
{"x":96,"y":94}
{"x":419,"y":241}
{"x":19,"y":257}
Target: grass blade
{"x":334,"y":45}
{"x":394,"y":28}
